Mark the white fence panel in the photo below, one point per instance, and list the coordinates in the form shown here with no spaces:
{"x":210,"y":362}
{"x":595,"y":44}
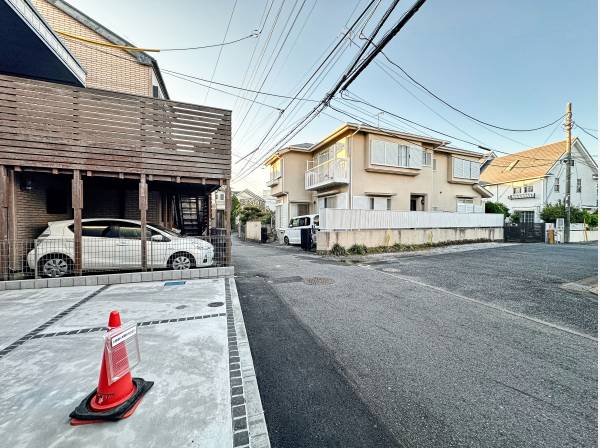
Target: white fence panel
{"x":335,"y":219}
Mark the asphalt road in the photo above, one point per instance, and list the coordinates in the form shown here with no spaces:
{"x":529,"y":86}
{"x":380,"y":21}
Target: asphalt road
{"x":469,"y":348}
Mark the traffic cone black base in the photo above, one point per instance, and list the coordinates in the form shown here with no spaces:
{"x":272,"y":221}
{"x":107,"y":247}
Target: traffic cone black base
{"x":84,"y":414}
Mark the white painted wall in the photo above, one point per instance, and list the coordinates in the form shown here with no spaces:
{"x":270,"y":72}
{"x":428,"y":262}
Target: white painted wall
{"x":544,"y":187}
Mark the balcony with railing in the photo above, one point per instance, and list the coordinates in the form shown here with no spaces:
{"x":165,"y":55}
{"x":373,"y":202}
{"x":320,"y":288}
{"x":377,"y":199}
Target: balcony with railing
{"x":327,"y":174}
{"x":526,"y":195}
{"x":57,"y":127}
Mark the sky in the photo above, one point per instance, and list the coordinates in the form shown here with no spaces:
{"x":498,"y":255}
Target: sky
{"x":511,"y":63}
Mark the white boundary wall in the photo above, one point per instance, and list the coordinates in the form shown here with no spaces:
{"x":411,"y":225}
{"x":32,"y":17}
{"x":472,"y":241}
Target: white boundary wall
{"x":339,"y":219}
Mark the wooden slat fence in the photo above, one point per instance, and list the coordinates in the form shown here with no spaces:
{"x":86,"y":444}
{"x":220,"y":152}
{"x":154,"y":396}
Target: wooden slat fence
{"x":48,"y":125}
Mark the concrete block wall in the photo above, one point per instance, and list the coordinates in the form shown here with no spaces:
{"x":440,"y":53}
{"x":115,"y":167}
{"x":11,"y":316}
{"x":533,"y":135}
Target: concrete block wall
{"x":114,"y":279}
{"x":377,"y":238}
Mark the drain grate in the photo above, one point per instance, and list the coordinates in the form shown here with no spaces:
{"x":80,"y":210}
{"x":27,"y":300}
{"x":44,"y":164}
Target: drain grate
{"x":315,"y":281}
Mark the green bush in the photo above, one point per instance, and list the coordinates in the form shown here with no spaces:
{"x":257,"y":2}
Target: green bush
{"x":515,"y":217}
{"x":497,"y":207}
{"x":358,"y":249}
{"x":553,"y":211}
{"x":591,"y":219}
{"x":338,"y":250}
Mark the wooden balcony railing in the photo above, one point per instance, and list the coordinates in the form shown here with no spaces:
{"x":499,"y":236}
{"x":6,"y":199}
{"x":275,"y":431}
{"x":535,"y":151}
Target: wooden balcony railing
{"x":51,"y":126}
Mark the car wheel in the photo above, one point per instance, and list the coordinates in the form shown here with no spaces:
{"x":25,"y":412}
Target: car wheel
{"x":286,"y":241}
{"x":181,"y":260}
{"x":55,"y":265}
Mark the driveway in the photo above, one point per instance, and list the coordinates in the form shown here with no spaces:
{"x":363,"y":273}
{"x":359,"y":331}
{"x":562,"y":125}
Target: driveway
{"x":193,"y":346}
{"x":455,"y":347}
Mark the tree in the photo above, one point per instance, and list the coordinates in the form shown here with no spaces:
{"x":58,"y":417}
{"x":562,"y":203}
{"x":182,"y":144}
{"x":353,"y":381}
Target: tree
{"x":253,"y":213}
{"x":497,"y":207}
{"x":235,"y":209}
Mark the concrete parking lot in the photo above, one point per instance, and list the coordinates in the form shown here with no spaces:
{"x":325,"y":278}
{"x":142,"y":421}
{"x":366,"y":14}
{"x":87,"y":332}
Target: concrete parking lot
{"x":453,"y":347}
{"x":193,"y":346}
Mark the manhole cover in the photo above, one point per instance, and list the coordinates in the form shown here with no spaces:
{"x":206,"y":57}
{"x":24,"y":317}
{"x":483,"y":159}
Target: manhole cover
{"x":215,"y":304}
{"x":319,"y":281}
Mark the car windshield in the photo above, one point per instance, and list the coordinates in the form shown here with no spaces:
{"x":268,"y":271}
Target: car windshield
{"x":165,"y":230}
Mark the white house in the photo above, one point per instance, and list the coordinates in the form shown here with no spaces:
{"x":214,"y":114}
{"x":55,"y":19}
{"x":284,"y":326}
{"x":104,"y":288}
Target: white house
{"x":528,"y":180}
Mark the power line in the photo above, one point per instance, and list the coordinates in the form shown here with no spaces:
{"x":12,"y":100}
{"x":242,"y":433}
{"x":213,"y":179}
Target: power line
{"x":357,"y":65}
{"x":262,"y":22}
{"x":70,"y":36}
{"x":168,"y":72}
{"x":588,"y":133}
{"x":221,"y":48}
{"x":459,"y":110}
{"x":260,"y":59}
{"x":316,"y":71}
{"x":173,"y":72}
{"x":391,"y":74}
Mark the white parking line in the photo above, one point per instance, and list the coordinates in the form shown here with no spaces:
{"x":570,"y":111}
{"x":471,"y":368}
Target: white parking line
{"x":486,"y":304}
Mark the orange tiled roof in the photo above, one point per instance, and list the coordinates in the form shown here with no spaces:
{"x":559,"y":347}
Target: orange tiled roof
{"x":523,"y":165}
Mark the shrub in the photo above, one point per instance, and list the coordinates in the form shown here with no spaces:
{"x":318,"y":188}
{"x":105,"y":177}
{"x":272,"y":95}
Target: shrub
{"x":591,"y":219}
{"x":553,"y":211}
{"x":338,"y":250}
{"x":497,"y":207}
{"x":515,"y":217}
{"x":358,"y":249}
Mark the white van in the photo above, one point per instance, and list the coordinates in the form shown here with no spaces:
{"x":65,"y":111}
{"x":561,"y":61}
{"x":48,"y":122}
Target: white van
{"x":291,"y":235}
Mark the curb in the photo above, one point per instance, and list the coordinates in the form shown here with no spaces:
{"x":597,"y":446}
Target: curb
{"x":115,"y":279}
{"x":257,"y":433}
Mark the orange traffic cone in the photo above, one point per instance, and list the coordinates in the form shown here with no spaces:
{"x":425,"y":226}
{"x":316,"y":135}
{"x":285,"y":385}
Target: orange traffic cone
{"x":111,"y":402}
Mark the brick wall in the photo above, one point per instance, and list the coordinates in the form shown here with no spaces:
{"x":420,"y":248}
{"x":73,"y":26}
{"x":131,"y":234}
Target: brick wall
{"x":99,"y":202}
{"x":32,"y":217}
{"x":117,"y":71}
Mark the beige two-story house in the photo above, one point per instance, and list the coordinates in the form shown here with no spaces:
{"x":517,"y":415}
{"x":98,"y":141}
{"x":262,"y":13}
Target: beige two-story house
{"x":360,"y":167}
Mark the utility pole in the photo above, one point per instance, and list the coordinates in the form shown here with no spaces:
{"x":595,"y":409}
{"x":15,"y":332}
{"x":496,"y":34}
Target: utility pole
{"x":568,"y":126}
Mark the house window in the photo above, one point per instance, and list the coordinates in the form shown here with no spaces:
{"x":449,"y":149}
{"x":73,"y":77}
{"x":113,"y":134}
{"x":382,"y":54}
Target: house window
{"x":338,"y":150}
{"x":516,"y":190}
{"x":57,"y":201}
{"x":528,"y":189}
{"x":434,"y":165}
{"x":378,"y":203}
{"x":302,"y":209}
{"x":527,"y":217}
{"x":275,"y":170}
{"x":330,"y":202}
{"x":578,"y":185}
{"x":557,"y":185}
{"x":426,"y":158}
{"x":465,"y":169}
{"x":396,"y":155}
{"x":155,"y":92}
{"x":464,"y":205}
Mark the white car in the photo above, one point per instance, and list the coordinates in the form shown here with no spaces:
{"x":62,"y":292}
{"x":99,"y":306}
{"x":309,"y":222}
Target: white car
{"x":114,"y":244}
{"x":291,"y":235}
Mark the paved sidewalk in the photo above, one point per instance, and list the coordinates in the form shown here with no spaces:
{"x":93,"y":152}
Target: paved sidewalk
{"x":193,"y":346}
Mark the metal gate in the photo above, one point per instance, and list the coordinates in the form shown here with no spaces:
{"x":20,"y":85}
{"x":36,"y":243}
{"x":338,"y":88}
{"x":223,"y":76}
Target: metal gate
{"x":524,"y":232}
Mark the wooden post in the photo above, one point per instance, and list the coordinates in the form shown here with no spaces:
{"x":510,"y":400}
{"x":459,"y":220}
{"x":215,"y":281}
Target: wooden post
{"x":209,"y":212}
{"x":77,"y":201}
{"x":227,"y":224}
{"x":3,"y":223}
{"x":143,"y":199}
